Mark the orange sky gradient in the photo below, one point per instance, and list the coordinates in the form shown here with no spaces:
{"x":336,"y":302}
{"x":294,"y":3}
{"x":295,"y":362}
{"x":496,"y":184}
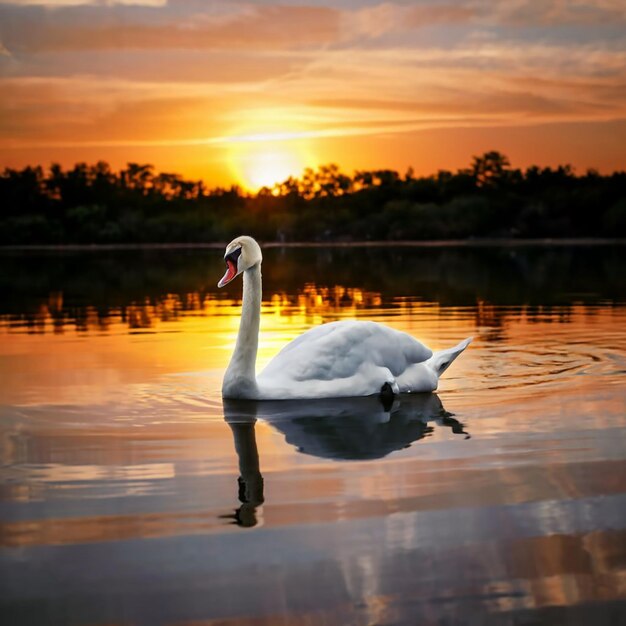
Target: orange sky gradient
{"x":252,"y":92}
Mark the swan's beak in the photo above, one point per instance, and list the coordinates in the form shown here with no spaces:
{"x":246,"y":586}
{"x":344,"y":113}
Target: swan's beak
{"x":231,"y":272}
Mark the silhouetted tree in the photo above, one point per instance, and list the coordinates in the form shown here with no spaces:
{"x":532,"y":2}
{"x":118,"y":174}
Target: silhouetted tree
{"x":92,"y":203}
{"x":490,"y":168}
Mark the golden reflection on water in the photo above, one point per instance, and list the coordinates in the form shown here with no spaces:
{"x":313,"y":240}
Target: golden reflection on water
{"x":311,"y":300}
{"x":69,"y":356}
{"x":90,"y":352}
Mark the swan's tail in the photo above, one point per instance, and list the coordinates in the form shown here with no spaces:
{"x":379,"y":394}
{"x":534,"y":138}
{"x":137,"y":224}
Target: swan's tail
{"x":441,"y":360}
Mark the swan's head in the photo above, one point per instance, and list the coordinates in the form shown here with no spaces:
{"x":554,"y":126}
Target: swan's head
{"x":241,"y":254}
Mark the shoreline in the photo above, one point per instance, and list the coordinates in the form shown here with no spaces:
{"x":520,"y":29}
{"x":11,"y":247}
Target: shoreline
{"x":430,"y":243}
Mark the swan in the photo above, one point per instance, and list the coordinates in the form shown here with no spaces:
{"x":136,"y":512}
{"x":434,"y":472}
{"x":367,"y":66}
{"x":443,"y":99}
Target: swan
{"x":334,"y":360}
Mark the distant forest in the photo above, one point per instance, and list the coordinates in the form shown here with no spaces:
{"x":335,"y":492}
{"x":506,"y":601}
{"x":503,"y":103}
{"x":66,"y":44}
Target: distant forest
{"x":489,"y":199}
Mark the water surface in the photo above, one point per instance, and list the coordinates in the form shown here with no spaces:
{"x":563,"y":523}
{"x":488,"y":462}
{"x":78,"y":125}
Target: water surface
{"x":131,"y":494}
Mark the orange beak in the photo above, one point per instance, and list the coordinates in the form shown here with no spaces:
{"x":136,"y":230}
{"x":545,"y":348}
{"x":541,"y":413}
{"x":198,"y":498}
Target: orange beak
{"x":231,"y":272}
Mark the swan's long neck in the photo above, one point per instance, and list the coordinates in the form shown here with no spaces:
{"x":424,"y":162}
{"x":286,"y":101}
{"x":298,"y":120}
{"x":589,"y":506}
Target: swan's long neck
{"x":240,"y":377}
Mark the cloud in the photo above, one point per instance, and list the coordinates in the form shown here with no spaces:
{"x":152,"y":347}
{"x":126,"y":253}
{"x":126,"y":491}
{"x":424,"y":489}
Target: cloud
{"x":152,"y":66}
{"x":464,"y":107}
{"x":73,"y":3}
{"x":265,"y":27}
{"x":383,"y":19}
{"x":376,"y":20}
{"x":430,"y":90}
{"x":440,"y":14}
{"x":552,"y":12}
{"x":193,"y":25}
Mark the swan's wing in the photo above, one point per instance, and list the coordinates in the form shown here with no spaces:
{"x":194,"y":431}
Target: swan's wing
{"x":338,"y":350}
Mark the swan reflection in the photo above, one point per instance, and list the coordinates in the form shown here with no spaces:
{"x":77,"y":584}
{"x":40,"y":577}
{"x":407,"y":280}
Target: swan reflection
{"x":341,"y":429}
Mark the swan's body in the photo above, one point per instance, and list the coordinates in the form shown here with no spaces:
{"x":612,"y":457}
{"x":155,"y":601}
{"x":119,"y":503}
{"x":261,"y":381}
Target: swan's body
{"x":339,"y":359}
{"x":349,"y":358}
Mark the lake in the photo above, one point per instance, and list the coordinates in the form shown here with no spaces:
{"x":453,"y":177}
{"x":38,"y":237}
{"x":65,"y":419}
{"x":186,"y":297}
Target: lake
{"x":131,"y":494}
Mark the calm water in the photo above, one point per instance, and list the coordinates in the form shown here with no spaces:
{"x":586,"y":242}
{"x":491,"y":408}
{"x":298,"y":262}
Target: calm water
{"x":130,"y":494}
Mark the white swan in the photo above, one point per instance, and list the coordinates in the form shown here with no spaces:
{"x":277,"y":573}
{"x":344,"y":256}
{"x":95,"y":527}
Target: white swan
{"x":334,"y":360}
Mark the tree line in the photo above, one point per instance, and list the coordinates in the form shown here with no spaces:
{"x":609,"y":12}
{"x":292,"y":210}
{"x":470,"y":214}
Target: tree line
{"x":94,"y":204}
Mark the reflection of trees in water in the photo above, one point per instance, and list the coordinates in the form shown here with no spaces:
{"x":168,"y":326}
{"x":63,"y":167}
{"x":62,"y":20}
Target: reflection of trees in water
{"x":329,"y":302}
{"x":89,"y":318}
{"x":172,"y":307}
{"x":90,"y":290}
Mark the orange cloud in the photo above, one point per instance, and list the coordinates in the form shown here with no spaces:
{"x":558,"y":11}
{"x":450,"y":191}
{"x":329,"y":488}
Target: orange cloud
{"x":555,"y":12}
{"x":266,"y":26}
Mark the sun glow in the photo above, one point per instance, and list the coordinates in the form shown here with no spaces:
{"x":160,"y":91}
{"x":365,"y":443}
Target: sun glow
{"x":267,"y":145}
{"x":264,"y":164}
{"x":267,"y":168}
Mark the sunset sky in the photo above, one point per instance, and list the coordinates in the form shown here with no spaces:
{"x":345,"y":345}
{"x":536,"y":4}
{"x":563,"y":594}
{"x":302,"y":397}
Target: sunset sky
{"x":251,"y":92}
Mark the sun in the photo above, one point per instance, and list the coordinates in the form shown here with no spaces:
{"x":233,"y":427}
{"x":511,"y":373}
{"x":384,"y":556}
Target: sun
{"x":265,"y":168}
{"x":266,"y":145}
{"x":263,"y":164}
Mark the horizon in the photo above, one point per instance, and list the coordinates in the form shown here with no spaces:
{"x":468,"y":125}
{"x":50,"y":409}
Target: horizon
{"x":277,"y":188}
{"x":250,"y":93}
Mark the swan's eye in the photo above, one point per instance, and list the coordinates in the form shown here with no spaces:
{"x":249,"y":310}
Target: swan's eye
{"x":233,"y":257}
